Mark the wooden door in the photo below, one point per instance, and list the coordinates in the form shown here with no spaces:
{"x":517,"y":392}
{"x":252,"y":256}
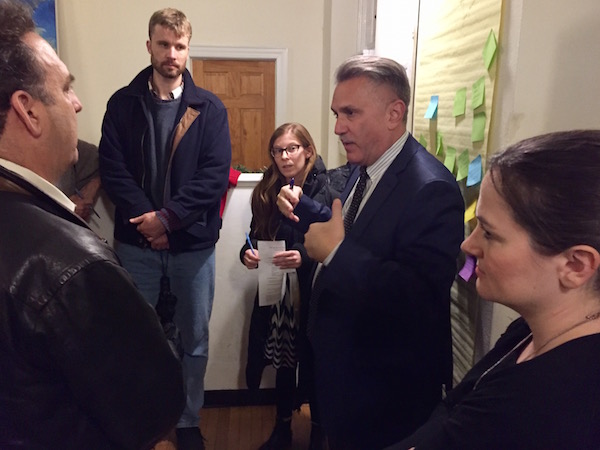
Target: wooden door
{"x":247,"y":88}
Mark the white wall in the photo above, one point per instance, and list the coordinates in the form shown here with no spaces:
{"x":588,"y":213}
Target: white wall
{"x":234,"y":295}
{"x":340,"y":42}
{"x":397,"y":24}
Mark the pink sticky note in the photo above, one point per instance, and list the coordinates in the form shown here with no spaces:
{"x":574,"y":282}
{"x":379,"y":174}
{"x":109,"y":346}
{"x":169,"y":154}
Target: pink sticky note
{"x":468,"y":269}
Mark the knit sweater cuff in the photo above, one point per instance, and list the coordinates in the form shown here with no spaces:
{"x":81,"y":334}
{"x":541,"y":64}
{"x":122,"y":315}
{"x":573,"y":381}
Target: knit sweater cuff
{"x":168,"y":219}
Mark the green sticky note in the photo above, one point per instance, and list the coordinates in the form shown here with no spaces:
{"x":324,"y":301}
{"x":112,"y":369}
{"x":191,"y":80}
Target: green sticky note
{"x":460,"y":102}
{"x":489,"y":49}
{"x":422,"y":141}
{"x":450,"y":158}
{"x":478,"y":93}
{"x":478,"y":130}
{"x":463,"y":166}
{"x":439,"y":149}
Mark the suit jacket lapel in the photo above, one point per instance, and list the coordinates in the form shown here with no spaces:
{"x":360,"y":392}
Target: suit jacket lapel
{"x":354,"y":174}
{"x":389,"y":181}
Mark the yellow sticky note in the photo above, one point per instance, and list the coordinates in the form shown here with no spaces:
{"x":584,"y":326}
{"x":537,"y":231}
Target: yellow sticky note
{"x":463,"y":165}
{"x":470,"y":212}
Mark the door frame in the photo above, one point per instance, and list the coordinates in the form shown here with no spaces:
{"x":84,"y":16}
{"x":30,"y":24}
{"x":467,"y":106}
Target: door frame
{"x":279,"y":55}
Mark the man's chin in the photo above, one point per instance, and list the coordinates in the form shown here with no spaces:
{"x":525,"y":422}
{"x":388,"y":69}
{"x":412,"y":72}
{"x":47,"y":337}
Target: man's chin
{"x":352,"y":157}
{"x":171,"y":74}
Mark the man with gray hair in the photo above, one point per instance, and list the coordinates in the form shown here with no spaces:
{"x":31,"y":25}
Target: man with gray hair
{"x":380,"y":308}
{"x":75,"y":334}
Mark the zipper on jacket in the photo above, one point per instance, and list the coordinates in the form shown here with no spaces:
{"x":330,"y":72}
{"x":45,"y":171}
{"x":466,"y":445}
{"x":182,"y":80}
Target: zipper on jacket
{"x":143,"y":138}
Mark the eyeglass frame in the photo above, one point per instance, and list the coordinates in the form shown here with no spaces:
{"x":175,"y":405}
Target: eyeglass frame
{"x":278,"y":152}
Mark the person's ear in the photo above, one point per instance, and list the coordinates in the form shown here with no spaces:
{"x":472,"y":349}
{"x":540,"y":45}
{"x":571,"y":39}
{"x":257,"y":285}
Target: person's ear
{"x":396,"y":111}
{"x":308,"y":152}
{"x":580,"y":264}
{"x":28,"y":110}
{"x":149,"y":46}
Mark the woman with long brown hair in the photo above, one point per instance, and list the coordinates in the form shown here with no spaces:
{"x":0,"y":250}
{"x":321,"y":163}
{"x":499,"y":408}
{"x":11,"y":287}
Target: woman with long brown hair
{"x":278,"y":332}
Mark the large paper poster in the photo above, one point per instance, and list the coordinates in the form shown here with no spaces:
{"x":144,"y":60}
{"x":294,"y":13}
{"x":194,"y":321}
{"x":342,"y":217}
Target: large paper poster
{"x":455,"y":76}
{"x":457,"y":55}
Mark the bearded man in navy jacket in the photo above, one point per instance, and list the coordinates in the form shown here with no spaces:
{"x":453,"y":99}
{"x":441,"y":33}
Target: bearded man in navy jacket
{"x":165,"y":154}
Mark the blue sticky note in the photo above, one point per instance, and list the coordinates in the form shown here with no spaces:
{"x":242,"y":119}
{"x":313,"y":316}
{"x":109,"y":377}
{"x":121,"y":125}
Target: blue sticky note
{"x":432,"y":108}
{"x":474,"y":176}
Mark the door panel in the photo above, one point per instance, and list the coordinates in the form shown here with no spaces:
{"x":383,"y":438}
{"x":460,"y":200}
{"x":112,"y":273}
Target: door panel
{"x":247,"y":88}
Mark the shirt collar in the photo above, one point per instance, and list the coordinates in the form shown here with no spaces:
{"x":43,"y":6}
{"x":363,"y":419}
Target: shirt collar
{"x":173,"y":95}
{"x":378,"y":168}
{"x":43,"y":185}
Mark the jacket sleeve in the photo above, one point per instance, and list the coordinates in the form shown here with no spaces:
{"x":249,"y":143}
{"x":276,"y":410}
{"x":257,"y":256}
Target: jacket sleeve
{"x":117,"y":179}
{"x":211,"y":178}
{"x":309,"y":211}
{"x":109,"y":345}
{"x":407,"y":285}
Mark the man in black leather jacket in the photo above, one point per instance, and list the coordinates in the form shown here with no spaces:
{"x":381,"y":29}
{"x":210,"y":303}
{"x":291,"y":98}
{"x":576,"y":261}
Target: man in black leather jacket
{"x":83,"y":360}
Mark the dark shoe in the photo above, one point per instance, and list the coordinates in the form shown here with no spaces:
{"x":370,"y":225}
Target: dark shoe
{"x":281,"y":437}
{"x":318,"y":441}
{"x":189,"y":439}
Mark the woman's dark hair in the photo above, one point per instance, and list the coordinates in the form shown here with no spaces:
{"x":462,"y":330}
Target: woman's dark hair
{"x":20,"y":68}
{"x":265,"y":214}
{"x":552,"y":184}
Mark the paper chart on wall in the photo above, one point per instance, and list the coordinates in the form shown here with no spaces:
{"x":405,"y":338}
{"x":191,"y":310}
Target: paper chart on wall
{"x":453,"y":66}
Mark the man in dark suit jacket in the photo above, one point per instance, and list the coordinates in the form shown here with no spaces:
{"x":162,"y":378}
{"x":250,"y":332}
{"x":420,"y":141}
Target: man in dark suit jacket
{"x":381,"y":332}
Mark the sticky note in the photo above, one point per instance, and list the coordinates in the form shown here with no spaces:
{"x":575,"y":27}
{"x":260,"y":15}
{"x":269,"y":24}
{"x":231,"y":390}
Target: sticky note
{"x":439,"y":148}
{"x":431,"y":112}
{"x":450,"y":158}
{"x":489,"y":49}
{"x":478,"y":93}
{"x":422,"y":141}
{"x":470,"y":212}
{"x":460,"y":102}
{"x":478,"y":130}
{"x":463,"y":165}
{"x":474,"y":176}
{"x":468,"y":269}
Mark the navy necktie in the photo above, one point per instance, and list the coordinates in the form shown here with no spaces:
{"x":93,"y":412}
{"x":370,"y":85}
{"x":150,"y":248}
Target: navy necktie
{"x":359,"y":192}
{"x":318,"y":286}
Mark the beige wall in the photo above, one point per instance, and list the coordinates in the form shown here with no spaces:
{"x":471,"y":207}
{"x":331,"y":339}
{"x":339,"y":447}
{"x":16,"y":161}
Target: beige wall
{"x":103,"y":44}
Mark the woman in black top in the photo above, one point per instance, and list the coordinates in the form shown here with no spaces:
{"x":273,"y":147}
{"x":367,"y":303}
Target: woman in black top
{"x":537,"y":245}
{"x":278,"y":333}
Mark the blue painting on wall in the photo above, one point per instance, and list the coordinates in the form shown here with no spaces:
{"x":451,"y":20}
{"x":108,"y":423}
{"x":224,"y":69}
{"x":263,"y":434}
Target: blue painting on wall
{"x":44,"y":16}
